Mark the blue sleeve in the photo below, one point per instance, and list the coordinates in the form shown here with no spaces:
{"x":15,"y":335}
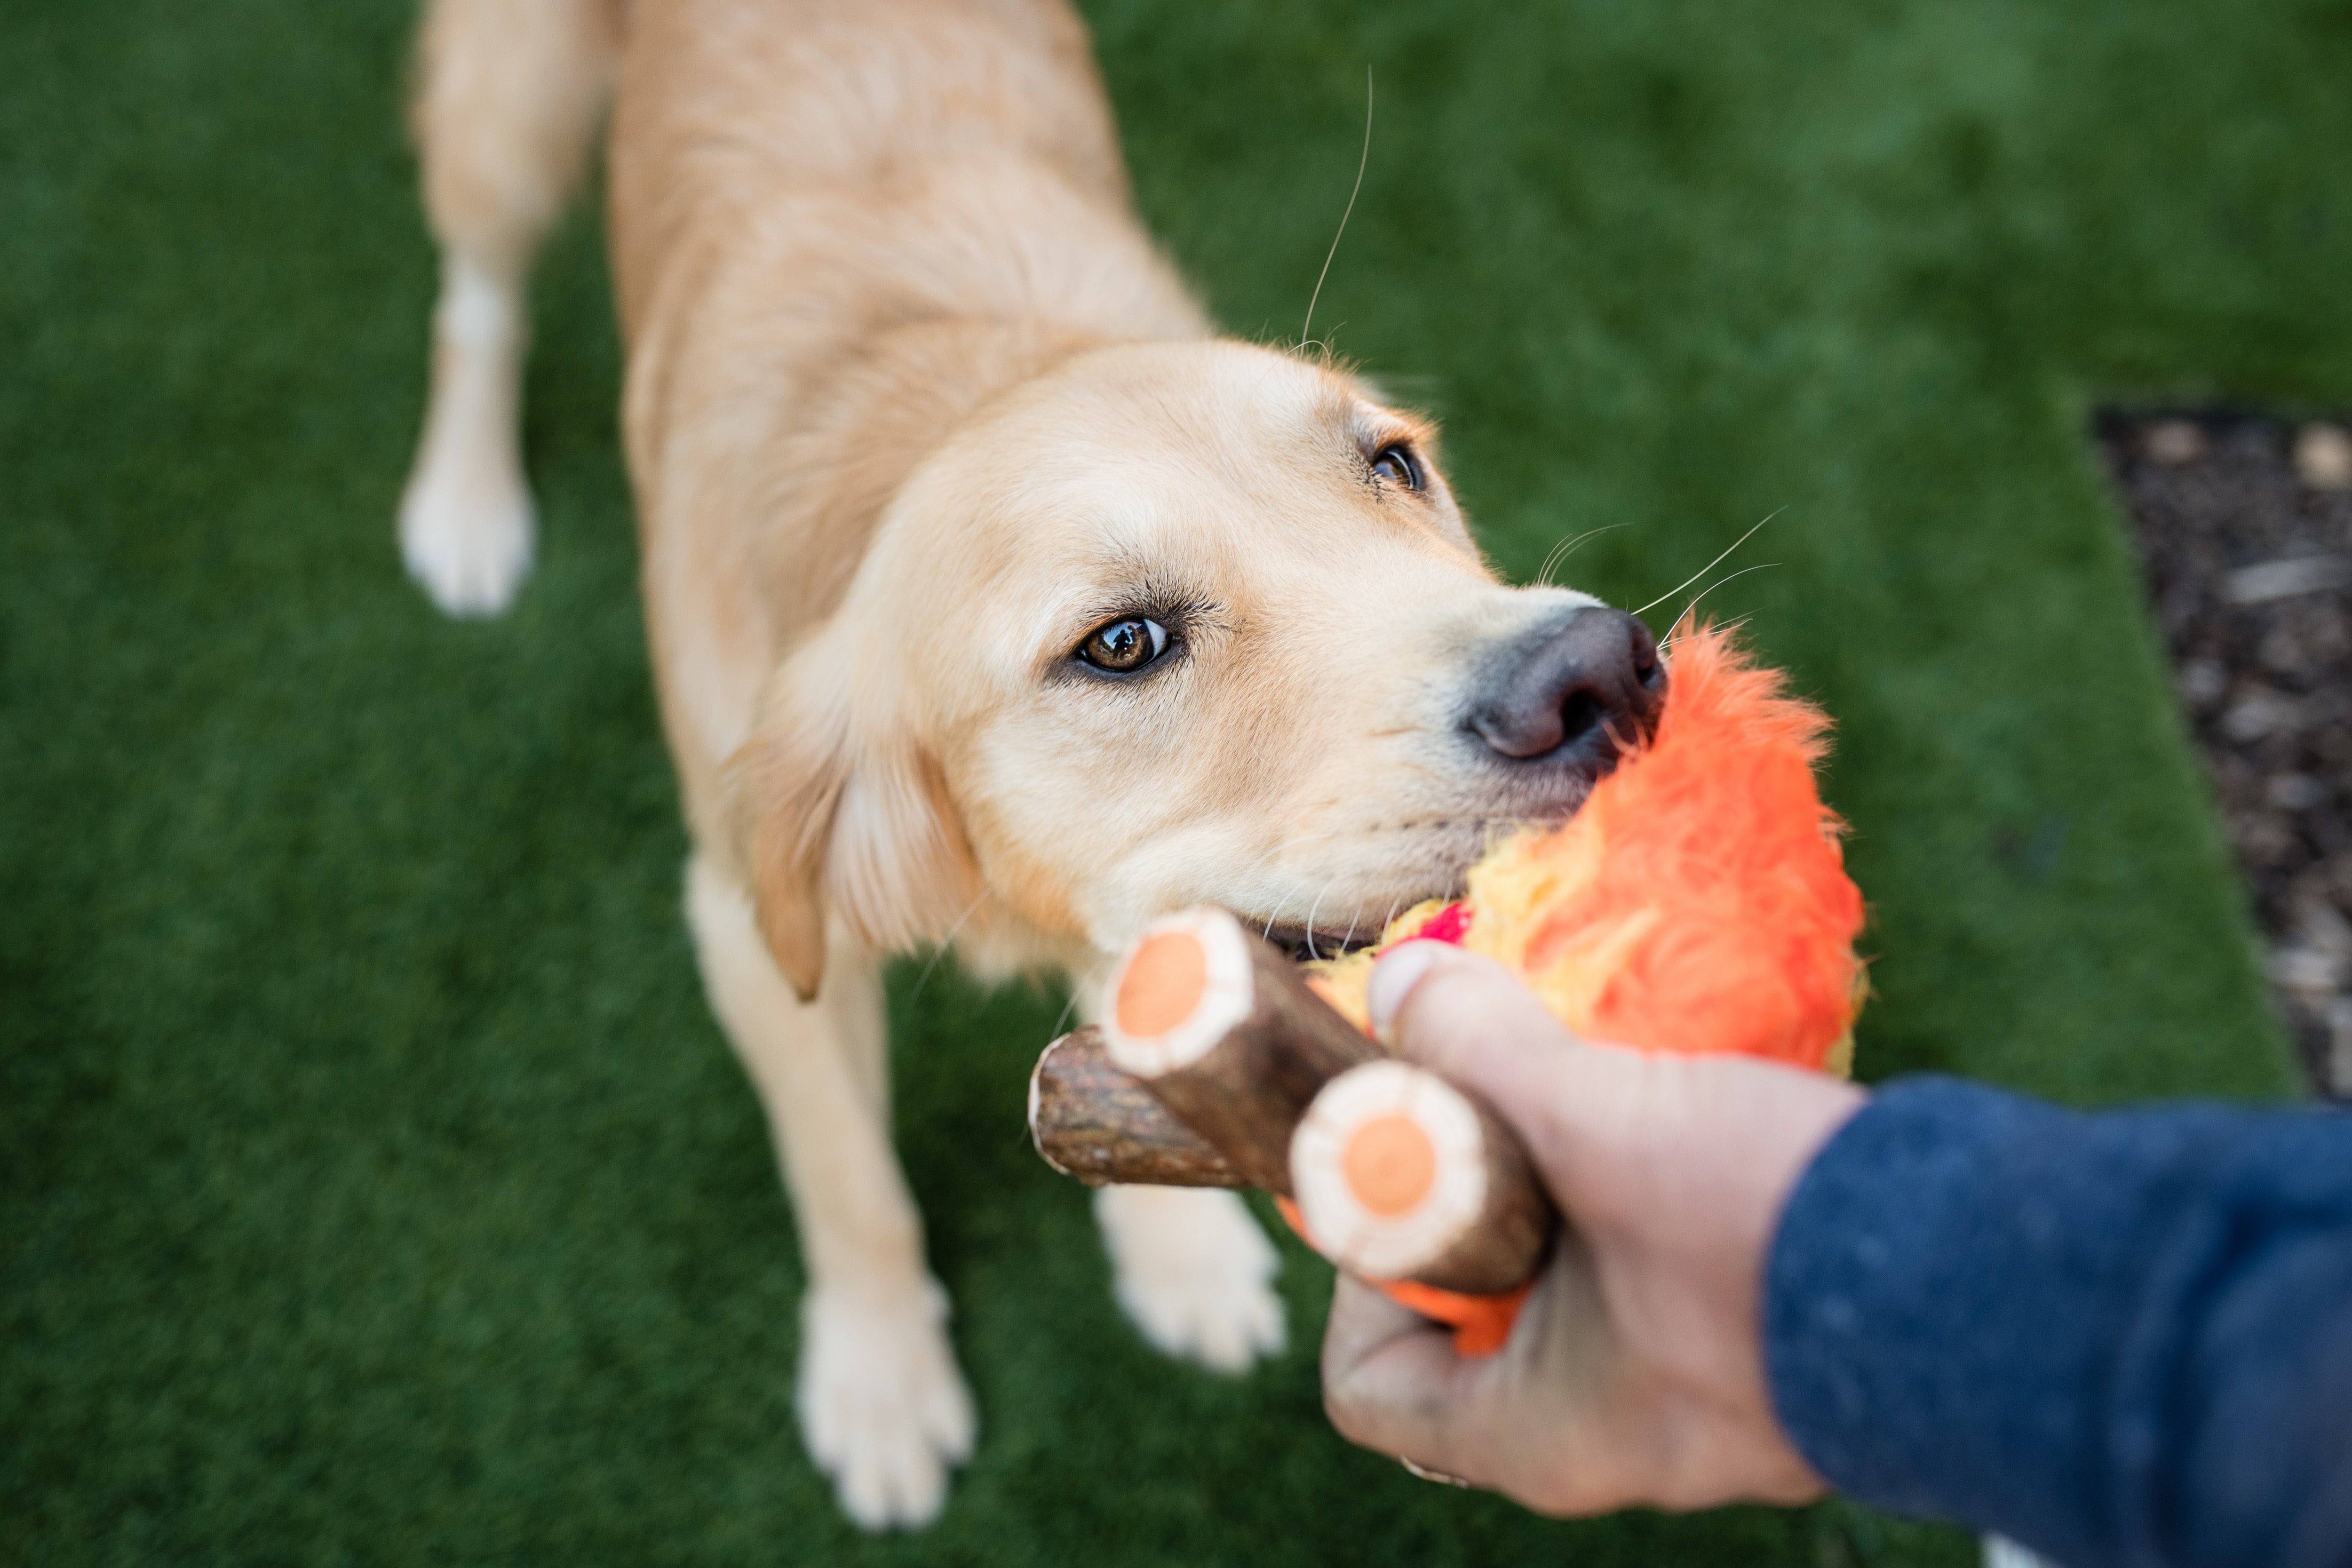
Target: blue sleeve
{"x":2119,"y":1339}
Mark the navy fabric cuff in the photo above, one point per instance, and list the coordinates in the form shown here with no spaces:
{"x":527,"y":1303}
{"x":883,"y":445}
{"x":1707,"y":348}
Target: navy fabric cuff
{"x":2119,"y":1339}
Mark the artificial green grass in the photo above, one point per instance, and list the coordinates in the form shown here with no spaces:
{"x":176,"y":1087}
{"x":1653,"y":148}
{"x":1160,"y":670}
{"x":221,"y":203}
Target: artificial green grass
{"x":376,"y":1186}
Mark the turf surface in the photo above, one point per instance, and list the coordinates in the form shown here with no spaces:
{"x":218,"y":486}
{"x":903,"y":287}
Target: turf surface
{"x":374,"y":1185}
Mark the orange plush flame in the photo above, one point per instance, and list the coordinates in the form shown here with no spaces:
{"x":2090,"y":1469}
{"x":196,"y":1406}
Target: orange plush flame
{"x":1697,"y":902}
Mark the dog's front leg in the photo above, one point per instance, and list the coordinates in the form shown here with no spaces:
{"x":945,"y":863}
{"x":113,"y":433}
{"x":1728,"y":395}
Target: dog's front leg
{"x":882,"y":1406}
{"x":1191,"y":1269}
{"x":1195,"y":1272}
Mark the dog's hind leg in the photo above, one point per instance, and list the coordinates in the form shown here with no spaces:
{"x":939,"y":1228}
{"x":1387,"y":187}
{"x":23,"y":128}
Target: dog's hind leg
{"x":509,"y":94}
{"x":882,"y":1407}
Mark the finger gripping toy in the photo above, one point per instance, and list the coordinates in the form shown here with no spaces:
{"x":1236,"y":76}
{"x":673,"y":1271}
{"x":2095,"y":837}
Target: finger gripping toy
{"x":1697,"y":902}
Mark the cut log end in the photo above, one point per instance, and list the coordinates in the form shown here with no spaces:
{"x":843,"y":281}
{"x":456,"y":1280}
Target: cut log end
{"x":1390,"y":1165}
{"x":1178,"y":991}
{"x":1162,"y":985}
{"x":1228,"y":1036}
{"x":1402,"y":1176}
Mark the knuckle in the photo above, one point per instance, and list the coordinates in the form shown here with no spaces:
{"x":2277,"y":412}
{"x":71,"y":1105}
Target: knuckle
{"x":1342,"y":1413}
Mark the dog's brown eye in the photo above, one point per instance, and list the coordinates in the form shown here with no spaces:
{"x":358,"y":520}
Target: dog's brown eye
{"x":1125,"y":645}
{"x":1395,"y":465}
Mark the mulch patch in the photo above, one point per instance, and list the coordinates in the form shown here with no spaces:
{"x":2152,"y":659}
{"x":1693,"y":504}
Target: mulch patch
{"x":2245,"y":533}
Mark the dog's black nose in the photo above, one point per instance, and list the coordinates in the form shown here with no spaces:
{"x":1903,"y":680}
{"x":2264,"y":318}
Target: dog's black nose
{"x":1581,"y":694}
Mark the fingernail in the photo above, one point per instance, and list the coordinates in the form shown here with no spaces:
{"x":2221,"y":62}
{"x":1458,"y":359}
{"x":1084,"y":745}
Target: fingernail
{"x":1393,"y":979}
{"x":1423,"y":1472}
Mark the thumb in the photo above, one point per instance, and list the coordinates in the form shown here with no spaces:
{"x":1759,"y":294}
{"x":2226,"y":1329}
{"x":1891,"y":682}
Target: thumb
{"x":1469,"y":1020}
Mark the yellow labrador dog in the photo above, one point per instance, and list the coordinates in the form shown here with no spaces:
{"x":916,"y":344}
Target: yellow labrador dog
{"x":994,"y":599}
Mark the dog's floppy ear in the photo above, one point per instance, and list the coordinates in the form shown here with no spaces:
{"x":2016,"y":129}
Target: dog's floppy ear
{"x":842,"y":816}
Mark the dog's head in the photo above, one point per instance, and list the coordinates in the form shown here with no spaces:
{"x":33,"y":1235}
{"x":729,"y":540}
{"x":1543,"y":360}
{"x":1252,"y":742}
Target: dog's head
{"x":1175,"y":624}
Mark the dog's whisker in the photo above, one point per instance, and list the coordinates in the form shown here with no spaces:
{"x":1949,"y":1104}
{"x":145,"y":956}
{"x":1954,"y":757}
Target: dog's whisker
{"x":1306,"y":923}
{"x":1543,"y":573}
{"x":1558,"y":553}
{"x":1273,"y":907}
{"x":1297,"y":885}
{"x":1311,"y":908}
{"x":1363,"y":161}
{"x":1354,"y":915}
{"x":945,"y":943}
{"x":1283,"y":847}
{"x":1580,"y":541}
{"x":1712,"y":564}
{"x":1719,"y":582}
{"x":1278,"y":848}
{"x":1078,"y":988}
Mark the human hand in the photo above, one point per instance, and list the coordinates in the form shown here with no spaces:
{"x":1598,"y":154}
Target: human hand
{"x":1635,"y":1372}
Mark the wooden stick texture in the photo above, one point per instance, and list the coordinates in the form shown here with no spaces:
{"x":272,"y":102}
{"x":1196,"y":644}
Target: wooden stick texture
{"x":1091,"y":1120}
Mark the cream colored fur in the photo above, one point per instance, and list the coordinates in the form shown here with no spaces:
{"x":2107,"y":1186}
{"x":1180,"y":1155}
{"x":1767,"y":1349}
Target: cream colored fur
{"x":913,"y":405}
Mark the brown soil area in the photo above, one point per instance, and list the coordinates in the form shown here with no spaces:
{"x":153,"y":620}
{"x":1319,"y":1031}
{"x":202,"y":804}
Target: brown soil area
{"x":2245,"y":531}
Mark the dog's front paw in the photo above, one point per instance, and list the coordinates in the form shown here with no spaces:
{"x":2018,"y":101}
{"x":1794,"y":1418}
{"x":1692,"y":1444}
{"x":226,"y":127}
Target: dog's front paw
{"x":1195,"y":1272}
{"x":467,"y":530}
{"x":882,"y":1407}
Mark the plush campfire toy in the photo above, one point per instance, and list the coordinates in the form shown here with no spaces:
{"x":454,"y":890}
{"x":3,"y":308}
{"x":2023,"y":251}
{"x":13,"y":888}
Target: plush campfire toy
{"x":1697,"y":902}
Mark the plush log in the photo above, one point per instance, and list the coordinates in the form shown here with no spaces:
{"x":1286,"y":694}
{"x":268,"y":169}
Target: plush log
{"x":1090,"y":1120}
{"x":1216,"y":1064}
{"x":1225,"y":1032}
{"x":1400,"y":1176}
